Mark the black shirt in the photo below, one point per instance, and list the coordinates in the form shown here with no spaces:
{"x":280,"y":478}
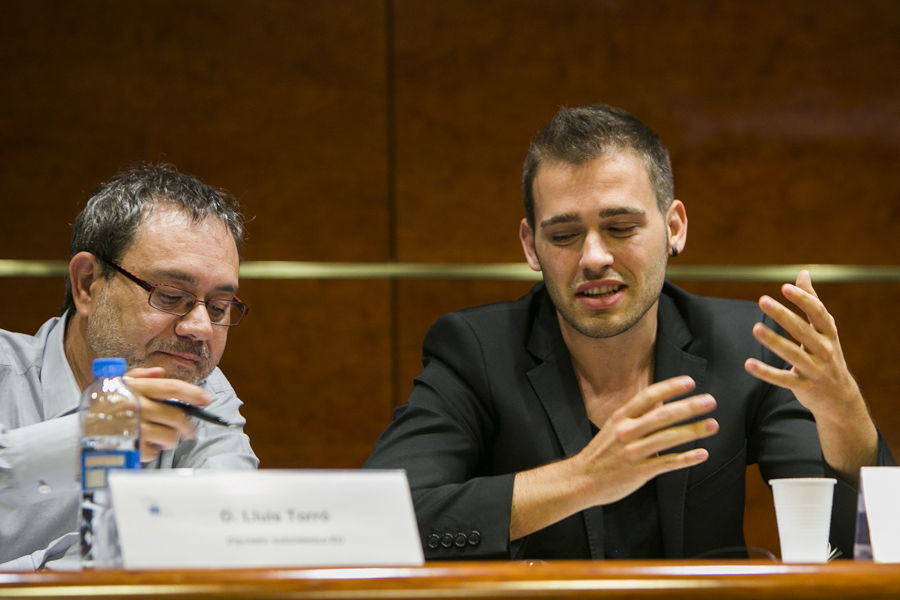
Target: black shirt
{"x":631,"y":525}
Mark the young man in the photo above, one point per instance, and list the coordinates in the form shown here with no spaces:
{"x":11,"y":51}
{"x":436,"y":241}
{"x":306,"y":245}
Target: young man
{"x":609,"y":414}
{"x":153,"y":278}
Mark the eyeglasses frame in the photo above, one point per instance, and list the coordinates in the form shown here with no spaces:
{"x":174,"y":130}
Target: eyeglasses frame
{"x":149,"y":287}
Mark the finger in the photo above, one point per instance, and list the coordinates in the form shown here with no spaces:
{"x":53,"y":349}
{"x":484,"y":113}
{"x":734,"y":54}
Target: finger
{"x":654,"y":395}
{"x":804,"y":282}
{"x":785,"y":349}
{"x":804,"y":296}
{"x":793,"y":324}
{"x":769,"y":374}
{"x":165,"y":388}
{"x":665,"y":463}
{"x":146,"y":372}
{"x":168,"y":417}
{"x":664,"y":416}
{"x":671,"y":437}
{"x":164,"y":438}
{"x":815,"y":310}
{"x":149,"y":451}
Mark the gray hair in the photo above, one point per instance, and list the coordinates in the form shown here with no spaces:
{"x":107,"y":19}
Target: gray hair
{"x":110,"y":220}
{"x":578,"y":135}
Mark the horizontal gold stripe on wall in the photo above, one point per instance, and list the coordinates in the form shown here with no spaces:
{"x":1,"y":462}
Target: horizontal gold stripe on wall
{"x":496,"y":271}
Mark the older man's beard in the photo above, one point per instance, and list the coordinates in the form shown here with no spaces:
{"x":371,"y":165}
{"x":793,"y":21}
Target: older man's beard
{"x":104,"y":336}
{"x":185,"y":346}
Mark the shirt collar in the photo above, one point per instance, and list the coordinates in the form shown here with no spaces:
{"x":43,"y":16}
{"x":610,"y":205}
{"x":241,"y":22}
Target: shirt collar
{"x":60,"y":390}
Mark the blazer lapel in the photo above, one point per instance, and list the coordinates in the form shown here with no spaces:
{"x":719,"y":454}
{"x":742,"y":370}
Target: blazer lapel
{"x":553,"y":381}
{"x":672,"y":360}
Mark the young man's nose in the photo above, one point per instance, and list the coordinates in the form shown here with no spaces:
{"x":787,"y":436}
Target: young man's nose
{"x":595,"y":253}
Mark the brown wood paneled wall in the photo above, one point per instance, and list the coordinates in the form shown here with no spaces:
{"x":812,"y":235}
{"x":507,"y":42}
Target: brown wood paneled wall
{"x":394,"y":130}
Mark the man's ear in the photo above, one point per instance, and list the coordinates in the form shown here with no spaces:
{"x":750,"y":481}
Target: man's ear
{"x":84,"y":272}
{"x":526,"y":236}
{"x":676,"y":224}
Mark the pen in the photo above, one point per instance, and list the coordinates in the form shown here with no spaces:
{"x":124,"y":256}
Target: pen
{"x":196,"y":411}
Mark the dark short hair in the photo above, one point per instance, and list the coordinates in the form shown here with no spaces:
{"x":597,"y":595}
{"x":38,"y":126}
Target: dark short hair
{"x":110,"y":220}
{"x":581,"y":134}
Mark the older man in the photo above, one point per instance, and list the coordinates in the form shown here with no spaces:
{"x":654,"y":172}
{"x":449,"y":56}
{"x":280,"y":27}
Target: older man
{"x":153,"y":278}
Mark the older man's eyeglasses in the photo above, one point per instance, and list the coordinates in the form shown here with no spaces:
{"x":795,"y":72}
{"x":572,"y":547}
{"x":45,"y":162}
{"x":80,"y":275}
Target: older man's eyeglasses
{"x":222,"y":311}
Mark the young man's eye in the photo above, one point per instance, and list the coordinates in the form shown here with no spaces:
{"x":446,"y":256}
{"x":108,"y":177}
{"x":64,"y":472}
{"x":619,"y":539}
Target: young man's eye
{"x":623,"y":231}
{"x":562,"y":238}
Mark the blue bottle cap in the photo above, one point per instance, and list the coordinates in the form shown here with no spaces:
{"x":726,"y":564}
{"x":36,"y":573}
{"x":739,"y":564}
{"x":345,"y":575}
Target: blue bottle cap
{"x":108,"y":367}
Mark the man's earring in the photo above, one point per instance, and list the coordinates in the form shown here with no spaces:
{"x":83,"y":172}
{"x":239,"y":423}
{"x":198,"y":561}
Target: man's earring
{"x":674,"y":251}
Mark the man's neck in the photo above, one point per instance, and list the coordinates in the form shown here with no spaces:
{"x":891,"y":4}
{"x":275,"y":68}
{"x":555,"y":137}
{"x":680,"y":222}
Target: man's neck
{"x":611,"y":370}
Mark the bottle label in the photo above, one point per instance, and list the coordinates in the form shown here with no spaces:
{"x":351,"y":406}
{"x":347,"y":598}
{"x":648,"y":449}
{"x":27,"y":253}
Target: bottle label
{"x":95,"y":464}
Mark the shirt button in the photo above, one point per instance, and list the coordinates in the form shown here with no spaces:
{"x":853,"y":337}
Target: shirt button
{"x":434,"y":540}
{"x":474,"y":537}
{"x":461,"y":540}
{"x":447,"y":540}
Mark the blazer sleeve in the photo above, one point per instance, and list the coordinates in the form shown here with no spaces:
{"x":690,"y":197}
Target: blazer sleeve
{"x":442,"y":437}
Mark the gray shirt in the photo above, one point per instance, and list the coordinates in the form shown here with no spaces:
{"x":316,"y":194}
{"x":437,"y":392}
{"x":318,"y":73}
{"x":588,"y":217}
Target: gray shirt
{"x":39,"y":445}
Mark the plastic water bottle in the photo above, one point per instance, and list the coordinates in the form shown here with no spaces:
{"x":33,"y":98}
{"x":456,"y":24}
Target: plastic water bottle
{"x":109,"y":415}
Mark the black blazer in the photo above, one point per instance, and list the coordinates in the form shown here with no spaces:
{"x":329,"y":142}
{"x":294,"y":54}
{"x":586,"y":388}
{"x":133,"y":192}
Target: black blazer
{"x":498,"y":395}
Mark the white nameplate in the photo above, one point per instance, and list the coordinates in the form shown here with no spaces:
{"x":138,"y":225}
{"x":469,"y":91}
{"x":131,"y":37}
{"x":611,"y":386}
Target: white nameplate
{"x":881,"y":488}
{"x":187,"y":518}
